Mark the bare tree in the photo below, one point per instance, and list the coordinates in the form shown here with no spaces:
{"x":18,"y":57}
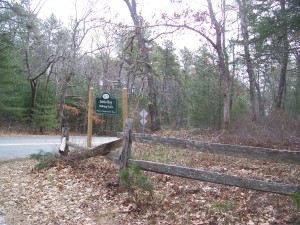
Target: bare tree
{"x":33,"y":76}
{"x":224,"y":71}
{"x":197,"y":25}
{"x":142,"y":44}
{"x":38,"y":58}
{"x":105,"y":42}
{"x":244,"y":26}
{"x":80,"y":27}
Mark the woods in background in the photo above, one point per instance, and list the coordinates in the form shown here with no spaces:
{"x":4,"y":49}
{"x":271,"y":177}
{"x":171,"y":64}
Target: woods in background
{"x":247,"y":66}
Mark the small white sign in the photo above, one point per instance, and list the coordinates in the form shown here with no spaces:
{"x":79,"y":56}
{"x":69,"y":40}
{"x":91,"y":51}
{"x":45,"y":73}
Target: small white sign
{"x":143,"y":121}
{"x":144,"y":113}
{"x":105,"y":96}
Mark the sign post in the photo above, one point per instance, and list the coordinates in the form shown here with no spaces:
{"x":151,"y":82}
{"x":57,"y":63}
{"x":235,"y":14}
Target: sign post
{"x":124,"y":106}
{"x":90,"y":118}
{"x":143,"y":121}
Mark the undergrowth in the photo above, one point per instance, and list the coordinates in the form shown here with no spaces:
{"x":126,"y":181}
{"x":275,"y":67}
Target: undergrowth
{"x":45,"y":159}
{"x":296,"y":200}
{"x":135,"y":182}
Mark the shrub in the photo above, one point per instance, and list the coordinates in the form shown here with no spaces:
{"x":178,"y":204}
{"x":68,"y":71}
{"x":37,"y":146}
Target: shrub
{"x":45,"y":159}
{"x":296,"y":200}
{"x":133,"y":179}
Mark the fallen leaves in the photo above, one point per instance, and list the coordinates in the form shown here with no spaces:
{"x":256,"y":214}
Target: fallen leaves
{"x":86,"y":193}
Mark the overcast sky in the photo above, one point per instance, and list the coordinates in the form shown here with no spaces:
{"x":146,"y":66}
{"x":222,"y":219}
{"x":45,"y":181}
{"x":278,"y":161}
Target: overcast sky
{"x":64,"y":9}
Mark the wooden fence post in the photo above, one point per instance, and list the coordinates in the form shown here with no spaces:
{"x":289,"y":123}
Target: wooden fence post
{"x":127,"y":143}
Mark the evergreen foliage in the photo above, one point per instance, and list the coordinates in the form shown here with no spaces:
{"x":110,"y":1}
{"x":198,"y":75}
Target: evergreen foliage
{"x":296,"y":201}
{"x":133,"y":179}
{"x":12,"y":88}
{"x":293,"y":90}
{"x":45,"y":159}
{"x":167,"y":69}
{"x":45,"y":117}
{"x":14,"y":104}
{"x":204,"y":91}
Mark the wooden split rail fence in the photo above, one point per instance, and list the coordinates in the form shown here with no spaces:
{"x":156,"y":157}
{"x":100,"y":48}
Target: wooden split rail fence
{"x":127,"y":137}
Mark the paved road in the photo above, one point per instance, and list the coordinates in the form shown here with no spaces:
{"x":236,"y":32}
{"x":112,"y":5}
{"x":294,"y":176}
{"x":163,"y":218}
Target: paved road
{"x":23,"y":146}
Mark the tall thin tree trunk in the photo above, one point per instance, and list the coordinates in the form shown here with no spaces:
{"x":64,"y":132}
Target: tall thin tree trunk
{"x":63,"y":98}
{"x":223,"y":69}
{"x":245,"y":34}
{"x":284,"y":62}
{"x":261,"y":104}
{"x":297,"y":90}
{"x":152,"y":96}
{"x":33,"y":84}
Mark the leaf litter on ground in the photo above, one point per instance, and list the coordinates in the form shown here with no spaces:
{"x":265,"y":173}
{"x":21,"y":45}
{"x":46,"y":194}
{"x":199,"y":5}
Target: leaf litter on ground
{"x":84,"y":193}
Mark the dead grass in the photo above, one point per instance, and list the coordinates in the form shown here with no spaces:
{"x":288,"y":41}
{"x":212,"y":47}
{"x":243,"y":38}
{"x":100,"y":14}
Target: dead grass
{"x":277,"y":131}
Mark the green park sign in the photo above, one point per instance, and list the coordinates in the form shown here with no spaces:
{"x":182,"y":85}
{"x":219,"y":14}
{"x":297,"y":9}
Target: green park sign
{"x":106,"y":104}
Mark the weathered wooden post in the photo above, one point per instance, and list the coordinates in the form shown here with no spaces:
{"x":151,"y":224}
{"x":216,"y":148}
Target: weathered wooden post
{"x":127,"y":143}
{"x":124,"y":106}
{"x":90,"y":117}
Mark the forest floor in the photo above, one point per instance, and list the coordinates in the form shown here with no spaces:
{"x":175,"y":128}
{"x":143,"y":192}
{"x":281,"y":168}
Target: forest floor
{"x":85,"y":193}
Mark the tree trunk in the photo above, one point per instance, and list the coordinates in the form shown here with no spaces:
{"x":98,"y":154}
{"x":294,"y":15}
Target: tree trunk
{"x":32,"y":81}
{"x":245,"y":34}
{"x":284,"y":62}
{"x":63,"y":98}
{"x":297,"y":88}
{"x":152,"y":96}
{"x":33,"y":85}
{"x":261,"y":104}
{"x":223,"y":69}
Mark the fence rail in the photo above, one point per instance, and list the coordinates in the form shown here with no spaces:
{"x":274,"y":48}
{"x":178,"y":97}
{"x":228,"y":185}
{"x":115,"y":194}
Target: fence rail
{"x":213,"y":177}
{"x":266,"y":154}
{"x":273,"y":155}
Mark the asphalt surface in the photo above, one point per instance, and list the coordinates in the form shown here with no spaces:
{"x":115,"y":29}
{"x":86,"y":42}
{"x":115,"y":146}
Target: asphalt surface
{"x":23,"y":146}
